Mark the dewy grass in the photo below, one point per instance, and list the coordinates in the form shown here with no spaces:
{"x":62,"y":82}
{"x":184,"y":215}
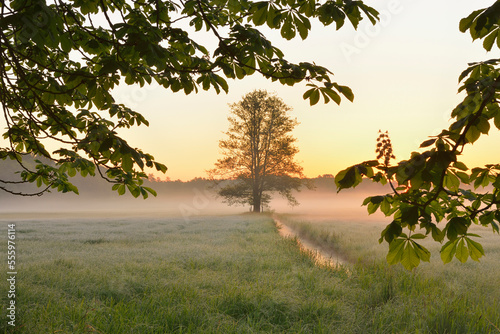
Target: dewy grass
{"x":232,"y":274}
{"x":434,"y":298}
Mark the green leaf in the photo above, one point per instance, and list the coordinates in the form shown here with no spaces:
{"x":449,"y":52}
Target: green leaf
{"x":377,"y":199}
{"x":367,"y":200}
{"x":134,"y":190}
{"x":385,"y":207}
{"x":455,"y":227}
{"x":476,"y":251}
{"x":482,"y":179}
{"x":66,"y":42}
{"x":372,"y":207}
{"x":428,"y":142}
{"x":348,"y":178}
{"x":410,"y":258}
{"x":437,"y":234}
{"x":308,"y":93}
{"x":487,"y":218}
{"x":371,"y":13}
{"x":391,"y":232}
{"x":160,"y":167}
{"x":328,"y":93}
{"x":346,"y":91}
{"x":495,"y":227}
{"x":144,"y":193}
{"x":462,"y":254}
{"x":422,"y":252}
{"x":353,"y":15}
{"x":452,"y":182}
{"x":496,"y":121}
{"x":496,"y":183}
{"x":288,"y":30}
{"x":120,"y":189}
{"x":465,"y":74}
{"x":490,"y":40}
{"x":127,"y":163}
{"x":273,"y":17}
{"x":460,"y":165}
{"x":448,"y":250}
{"x":396,"y":251}
{"x":303,"y":26}
{"x":151,"y":191}
{"x":222,"y":82}
{"x":483,"y":125}
{"x":259,"y":17}
{"x":39,"y":181}
{"x":466,"y":23}
{"x":472,"y":134}
{"x":137,"y":158}
{"x":409,"y":215}
{"x":464,"y":177}
{"x":314,"y":97}
{"x":71,"y":171}
{"x":73,"y":188}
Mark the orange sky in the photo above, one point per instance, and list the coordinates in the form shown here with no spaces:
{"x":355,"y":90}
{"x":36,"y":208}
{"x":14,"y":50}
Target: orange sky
{"x":404,"y":74}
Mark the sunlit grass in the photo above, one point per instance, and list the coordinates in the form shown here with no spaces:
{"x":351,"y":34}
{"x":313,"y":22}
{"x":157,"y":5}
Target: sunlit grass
{"x":436,"y":298}
{"x":233,"y":274}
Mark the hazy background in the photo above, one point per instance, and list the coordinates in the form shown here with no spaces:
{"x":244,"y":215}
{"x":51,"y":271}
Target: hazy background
{"x":403,"y":73}
{"x":177,"y":198}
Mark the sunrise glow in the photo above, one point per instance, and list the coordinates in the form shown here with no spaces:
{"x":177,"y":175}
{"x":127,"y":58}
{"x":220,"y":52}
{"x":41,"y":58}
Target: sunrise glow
{"x":404,"y":75}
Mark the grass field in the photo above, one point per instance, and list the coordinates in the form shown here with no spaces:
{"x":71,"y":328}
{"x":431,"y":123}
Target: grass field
{"x":234,"y":274}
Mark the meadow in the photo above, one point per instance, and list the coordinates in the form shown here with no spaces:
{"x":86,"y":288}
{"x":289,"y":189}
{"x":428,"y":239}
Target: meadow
{"x":235,"y":274}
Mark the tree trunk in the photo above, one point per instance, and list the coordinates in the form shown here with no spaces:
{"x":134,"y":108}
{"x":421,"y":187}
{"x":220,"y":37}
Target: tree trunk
{"x":256,"y":200}
{"x":256,"y":207}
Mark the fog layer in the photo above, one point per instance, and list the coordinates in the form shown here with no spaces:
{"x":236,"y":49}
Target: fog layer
{"x":188,"y":199}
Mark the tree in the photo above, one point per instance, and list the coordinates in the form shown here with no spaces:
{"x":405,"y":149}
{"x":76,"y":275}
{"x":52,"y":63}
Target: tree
{"x":61,"y":60}
{"x":434,"y":185}
{"x":258,"y":152}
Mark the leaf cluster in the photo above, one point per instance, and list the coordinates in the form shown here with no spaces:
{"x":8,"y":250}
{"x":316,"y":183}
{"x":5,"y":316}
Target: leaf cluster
{"x":62,"y":59}
{"x":434,"y":194}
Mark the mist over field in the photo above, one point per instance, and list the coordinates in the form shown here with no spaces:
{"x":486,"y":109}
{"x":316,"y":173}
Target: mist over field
{"x":184,"y":259}
{"x":188,"y":199}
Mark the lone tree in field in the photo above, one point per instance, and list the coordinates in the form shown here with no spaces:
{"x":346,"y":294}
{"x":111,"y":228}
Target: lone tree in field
{"x":60,"y":61}
{"x":258,"y":152}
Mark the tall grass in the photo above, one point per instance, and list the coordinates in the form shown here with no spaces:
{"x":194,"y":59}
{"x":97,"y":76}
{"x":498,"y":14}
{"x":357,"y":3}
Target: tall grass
{"x":231,"y":274}
{"x":434,"y":298}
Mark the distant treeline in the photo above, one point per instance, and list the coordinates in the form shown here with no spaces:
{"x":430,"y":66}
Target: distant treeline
{"x":325,"y":181}
{"x":98,"y":187}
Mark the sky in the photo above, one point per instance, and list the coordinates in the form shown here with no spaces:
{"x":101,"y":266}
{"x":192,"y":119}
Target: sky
{"x":403,"y":72}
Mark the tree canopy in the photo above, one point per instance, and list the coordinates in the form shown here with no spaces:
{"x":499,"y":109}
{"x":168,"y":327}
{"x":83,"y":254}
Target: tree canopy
{"x":258,"y":154}
{"x":61,"y":60}
{"x":433,"y":185}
